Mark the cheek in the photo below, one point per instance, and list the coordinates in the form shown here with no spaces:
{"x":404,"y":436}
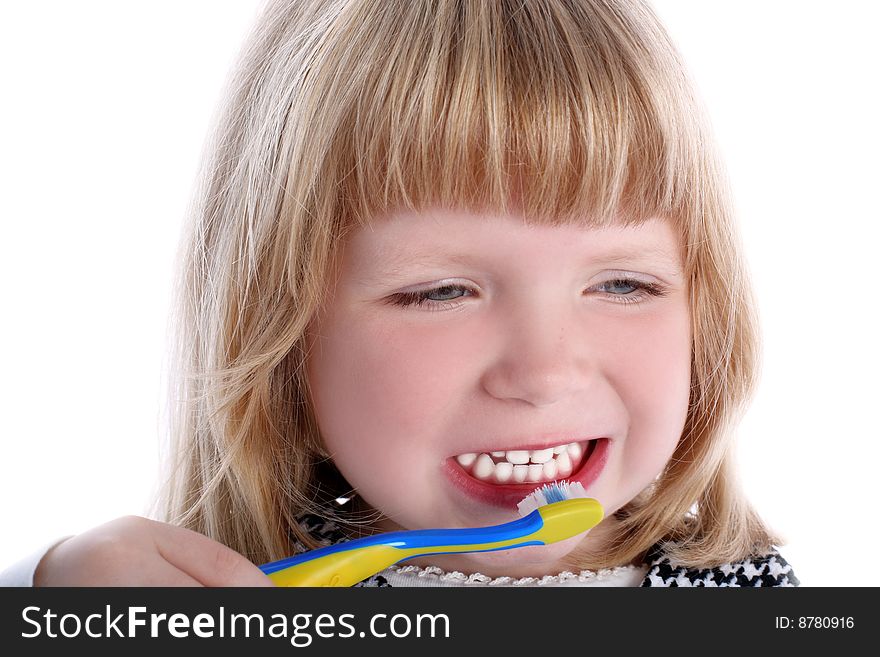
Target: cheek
{"x":652,"y":375}
{"x":377,"y":389}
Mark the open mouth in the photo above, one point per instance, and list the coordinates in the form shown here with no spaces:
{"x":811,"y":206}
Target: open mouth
{"x":526,"y":466}
{"x":504,"y":478}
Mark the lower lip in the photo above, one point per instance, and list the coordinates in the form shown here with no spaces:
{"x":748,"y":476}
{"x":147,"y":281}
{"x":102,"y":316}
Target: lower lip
{"x":507,"y":496}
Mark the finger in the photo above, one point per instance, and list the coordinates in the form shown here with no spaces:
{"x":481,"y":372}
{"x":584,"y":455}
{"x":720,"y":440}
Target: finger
{"x":206,"y":560}
{"x":76,"y":564}
{"x":165,"y":574}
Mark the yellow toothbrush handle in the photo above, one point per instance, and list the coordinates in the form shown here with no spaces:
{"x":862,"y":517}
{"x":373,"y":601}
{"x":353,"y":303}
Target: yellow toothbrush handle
{"x":348,"y":567}
{"x":345,"y":568}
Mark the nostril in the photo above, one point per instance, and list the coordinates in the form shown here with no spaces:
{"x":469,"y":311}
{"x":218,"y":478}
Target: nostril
{"x":539,"y":383}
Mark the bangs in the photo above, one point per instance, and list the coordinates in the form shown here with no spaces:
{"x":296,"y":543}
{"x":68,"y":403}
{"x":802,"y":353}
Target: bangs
{"x":557,"y":111}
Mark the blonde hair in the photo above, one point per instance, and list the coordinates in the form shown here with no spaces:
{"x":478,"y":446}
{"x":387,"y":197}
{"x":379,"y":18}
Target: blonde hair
{"x":341,"y":111}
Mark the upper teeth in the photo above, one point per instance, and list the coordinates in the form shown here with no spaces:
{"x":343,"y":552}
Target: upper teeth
{"x":522,"y":465}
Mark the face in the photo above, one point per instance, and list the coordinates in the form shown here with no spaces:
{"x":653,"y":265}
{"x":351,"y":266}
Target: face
{"x":464,"y":360}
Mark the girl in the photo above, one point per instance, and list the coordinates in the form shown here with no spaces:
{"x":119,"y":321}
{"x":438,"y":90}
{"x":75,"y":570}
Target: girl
{"x":444,"y":252}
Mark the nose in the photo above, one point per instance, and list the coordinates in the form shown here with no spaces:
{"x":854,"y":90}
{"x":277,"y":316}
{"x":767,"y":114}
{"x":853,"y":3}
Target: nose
{"x":544,"y":359}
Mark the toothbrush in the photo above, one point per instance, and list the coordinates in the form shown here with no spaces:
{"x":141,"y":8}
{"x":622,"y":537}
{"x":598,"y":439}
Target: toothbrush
{"x":551,"y":513}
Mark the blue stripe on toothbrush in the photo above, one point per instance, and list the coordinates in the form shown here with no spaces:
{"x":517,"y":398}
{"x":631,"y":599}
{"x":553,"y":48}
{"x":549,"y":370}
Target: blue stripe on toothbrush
{"x":520,"y":528}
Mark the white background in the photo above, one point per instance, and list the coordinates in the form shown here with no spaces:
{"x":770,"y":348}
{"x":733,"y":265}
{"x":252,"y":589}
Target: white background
{"x":105,"y":106}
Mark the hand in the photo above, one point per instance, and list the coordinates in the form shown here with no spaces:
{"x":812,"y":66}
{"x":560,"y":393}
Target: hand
{"x":135,"y":551}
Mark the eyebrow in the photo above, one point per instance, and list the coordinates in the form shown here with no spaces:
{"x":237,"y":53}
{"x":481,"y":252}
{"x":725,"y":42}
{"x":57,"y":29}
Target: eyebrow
{"x":653,"y":255}
{"x":398,"y":264}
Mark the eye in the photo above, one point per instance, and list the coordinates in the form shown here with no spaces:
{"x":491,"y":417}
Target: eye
{"x":630,"y":290}
{"x":437,"y":298}
{"x":618,"y":290}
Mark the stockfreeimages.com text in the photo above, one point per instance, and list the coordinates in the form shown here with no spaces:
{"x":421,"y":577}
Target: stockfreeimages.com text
{"x":300,"y":629}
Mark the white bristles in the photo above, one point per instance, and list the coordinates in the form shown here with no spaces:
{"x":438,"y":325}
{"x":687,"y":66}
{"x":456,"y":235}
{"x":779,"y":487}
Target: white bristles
{"x":555,"y":491}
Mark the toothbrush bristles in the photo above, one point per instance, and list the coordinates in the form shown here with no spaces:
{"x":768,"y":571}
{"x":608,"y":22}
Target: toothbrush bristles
{"x":555,"y":491}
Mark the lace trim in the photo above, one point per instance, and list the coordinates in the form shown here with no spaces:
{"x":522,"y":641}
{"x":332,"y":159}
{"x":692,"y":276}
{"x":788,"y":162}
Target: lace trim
{"x":437,"y":573}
